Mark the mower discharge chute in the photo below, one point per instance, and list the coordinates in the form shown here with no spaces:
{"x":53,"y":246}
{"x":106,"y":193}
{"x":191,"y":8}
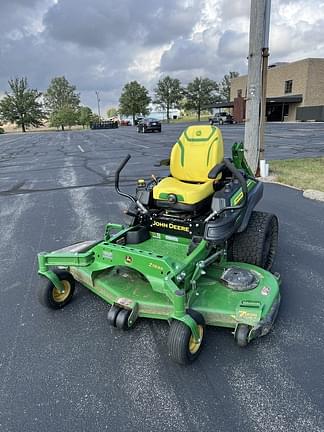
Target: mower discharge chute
{"x":196,"y":252}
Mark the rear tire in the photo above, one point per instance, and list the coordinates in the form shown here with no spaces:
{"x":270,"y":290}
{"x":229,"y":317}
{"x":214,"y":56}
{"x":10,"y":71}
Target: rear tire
{"x":258,"y":243}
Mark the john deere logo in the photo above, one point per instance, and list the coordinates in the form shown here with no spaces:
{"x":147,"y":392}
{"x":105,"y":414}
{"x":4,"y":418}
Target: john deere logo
{"x":128,"y":259}
{"x":198,"y":133}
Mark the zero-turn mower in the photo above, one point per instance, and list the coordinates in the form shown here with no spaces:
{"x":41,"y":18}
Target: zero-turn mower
{"x":196,"y":252}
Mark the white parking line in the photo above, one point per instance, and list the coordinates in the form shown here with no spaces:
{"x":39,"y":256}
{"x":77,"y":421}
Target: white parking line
{"x":81,"y":149}
{"x":141,"y":145}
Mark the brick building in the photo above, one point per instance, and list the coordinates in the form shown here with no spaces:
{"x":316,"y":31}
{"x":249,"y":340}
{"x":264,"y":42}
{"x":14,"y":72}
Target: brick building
{"x":295,"y":91}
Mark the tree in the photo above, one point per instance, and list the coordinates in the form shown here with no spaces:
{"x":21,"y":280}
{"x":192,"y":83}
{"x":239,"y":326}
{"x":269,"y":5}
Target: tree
{"x":112,"y":112}
{"x":95,"y":118}
{"x":201,"y":93}
{"x":134,"y":100}
{"x":85,"y":116}
{"x":168,"y":94}
{"x":225,"y":86}
{"x":66,"y":116}
{"x":21,"y":105}
{"x":62,"y":101}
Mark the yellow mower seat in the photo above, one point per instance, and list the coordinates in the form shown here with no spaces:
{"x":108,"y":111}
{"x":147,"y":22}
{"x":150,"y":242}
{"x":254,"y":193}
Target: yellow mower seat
{"x":186,"y":193}
{"x":196,"y":152}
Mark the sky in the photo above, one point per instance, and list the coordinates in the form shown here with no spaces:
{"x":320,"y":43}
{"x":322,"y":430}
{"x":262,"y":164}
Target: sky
{"x":103,"y":44}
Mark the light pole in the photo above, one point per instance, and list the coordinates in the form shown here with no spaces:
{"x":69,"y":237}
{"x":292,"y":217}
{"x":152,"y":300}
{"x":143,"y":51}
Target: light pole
{"x":98,"y":102}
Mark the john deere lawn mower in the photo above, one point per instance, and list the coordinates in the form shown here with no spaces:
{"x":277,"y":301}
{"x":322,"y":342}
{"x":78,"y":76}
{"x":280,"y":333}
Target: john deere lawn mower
{"x":195,"y":253}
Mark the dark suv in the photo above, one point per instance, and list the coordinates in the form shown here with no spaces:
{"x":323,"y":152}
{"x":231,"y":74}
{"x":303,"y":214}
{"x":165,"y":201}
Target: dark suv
{"x":221,"y":118}
{"x":148,"y":125}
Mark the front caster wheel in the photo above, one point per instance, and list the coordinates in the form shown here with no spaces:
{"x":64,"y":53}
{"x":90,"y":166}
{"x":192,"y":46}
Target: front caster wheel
{"x":112,"y":315}
{"x":241,"y":335}
{"x":122,"y":319}
{"x":53,"y":298}
{"x":183,"y":348}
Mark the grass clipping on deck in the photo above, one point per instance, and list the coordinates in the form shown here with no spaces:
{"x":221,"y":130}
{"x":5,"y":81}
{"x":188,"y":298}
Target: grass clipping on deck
{"x":304,"y":174}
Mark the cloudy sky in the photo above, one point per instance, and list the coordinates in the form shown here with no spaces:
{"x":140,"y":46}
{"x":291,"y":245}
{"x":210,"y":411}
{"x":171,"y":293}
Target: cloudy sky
{"x":102,"y":44}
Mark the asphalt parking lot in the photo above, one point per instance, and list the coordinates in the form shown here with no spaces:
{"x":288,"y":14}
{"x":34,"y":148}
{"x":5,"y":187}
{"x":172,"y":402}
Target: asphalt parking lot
{"x":68,"y":370}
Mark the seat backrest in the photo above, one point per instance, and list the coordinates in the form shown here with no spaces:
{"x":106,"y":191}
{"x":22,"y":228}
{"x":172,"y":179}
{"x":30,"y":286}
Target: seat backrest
{"x":196,"y":152}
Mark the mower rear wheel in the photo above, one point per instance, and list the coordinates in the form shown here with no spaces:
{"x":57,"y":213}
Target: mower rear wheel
{"x":122,"y":319}
{"x":53,"y":298}
{"x":183,"y":348}
{"x":241,"y":335}
{"x":112,"y":315}
{"x":258,"y":243}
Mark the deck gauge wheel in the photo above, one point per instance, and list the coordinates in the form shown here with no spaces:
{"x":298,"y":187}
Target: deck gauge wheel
{"x":112,"y":315}
{"x":52,"y":297}
{"x":183,"y":348}
{"x":241,"y":335}
{"x":118,"y":317}
{"x":122,"y":319}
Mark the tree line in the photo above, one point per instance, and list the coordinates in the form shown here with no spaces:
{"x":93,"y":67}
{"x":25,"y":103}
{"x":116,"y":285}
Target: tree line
{"x":60,"y":103}
{"x":198,"y":95}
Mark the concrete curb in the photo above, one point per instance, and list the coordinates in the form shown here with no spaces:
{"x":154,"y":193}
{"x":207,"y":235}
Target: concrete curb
{"x":314,"y":194}
{"x":307,"y":193}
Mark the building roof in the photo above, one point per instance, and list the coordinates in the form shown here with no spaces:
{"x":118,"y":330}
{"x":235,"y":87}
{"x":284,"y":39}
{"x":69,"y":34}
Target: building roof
{"x":286,"y":99}
{"x":278,"y":99}
{"x":275,"y":66}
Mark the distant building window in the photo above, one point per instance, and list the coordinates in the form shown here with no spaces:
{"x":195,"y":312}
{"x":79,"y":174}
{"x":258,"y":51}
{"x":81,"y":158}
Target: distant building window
{"x":239,"y":93}
{"x":288,"y":86}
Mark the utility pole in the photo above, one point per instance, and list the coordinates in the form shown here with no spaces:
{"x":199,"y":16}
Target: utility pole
{"x":98,"y":102}
{"x":257,"y":83}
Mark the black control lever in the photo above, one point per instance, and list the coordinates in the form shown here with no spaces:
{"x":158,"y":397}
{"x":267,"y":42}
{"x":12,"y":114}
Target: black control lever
{"x":117,"y":173}
{"x":138,"y":204}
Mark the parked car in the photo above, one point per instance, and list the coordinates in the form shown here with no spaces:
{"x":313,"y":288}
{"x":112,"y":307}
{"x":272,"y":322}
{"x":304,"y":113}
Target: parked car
{"x":221,"y":118}
{"x":149,"y":125}
{"x":104,"y":124}
{"x":137,"y":120}
{"x":125,"y":122}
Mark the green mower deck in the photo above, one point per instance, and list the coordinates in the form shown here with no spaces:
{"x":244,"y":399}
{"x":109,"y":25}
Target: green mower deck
{"x":138,"y":279}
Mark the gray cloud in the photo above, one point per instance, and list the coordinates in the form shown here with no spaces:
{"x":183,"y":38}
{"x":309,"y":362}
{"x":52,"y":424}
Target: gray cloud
{"x":233,"y":44}
{"x":203,"y":57}
{"x":184,"y":55}
{"x":103,"y":22}
{"x":236,"y":9}
{"x":102,"y":44}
